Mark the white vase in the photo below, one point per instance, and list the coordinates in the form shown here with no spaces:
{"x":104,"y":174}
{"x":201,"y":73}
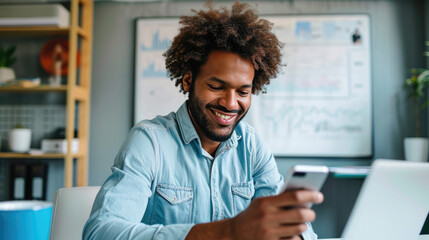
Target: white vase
{"x":6,"y":74}
{"x":19,"y":139}
{"x":416,"y":149}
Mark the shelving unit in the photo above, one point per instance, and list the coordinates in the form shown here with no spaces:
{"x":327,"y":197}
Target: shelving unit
{"x":79,"y":35}
{"x":43,"y":88}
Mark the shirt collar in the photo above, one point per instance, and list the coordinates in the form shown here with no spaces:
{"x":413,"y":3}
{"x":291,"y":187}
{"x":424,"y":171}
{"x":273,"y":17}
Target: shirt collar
{"x":188,"y":131}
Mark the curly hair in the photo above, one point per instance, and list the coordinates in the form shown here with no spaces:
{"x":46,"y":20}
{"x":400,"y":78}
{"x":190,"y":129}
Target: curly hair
{"x":238,"y":31}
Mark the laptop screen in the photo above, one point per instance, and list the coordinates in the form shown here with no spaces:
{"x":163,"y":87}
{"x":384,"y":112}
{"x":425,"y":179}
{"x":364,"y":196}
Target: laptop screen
{"x":393,"y":203}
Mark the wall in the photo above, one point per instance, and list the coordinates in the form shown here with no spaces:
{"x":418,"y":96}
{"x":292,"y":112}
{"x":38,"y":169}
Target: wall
{"x":426,"y":13}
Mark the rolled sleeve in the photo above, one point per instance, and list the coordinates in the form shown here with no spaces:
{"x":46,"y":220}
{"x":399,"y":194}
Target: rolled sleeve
{"x":309,"y":233}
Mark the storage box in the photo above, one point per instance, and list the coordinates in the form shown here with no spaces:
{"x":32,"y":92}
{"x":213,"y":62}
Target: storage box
{"x":34,"y":15}
{"x":59,"y":145}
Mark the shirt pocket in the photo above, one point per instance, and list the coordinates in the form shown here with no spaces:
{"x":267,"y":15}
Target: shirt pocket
{"x":242,"y":194}
{"x":172,"y":204}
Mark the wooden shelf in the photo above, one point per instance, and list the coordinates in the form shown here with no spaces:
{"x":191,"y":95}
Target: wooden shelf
{"x":81,"y":94}
{"x":42,"y":88}
{"x":38,"y":31}
{"x":37,"y":156}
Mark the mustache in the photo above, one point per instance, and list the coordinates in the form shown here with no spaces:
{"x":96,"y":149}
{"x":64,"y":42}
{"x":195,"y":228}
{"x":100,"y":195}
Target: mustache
{"x":223,"y":109}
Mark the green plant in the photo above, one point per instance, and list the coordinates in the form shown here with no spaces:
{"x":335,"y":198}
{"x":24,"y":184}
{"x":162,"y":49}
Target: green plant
{"x":416,"y":86}
{"x":6,"y":56}
{"x":19,"y":125}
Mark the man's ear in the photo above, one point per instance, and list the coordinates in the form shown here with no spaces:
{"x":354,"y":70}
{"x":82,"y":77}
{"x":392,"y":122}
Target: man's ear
{"x":187,"y":80}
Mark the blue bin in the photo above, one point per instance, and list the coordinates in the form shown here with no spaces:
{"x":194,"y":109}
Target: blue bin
{"x":25,"y":220}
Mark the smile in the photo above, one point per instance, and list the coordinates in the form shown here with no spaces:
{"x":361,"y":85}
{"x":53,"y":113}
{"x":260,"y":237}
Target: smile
{"x":223,"y":119}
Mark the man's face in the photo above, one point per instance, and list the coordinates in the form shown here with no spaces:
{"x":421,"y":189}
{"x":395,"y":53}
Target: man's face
{"x":220,"y":96}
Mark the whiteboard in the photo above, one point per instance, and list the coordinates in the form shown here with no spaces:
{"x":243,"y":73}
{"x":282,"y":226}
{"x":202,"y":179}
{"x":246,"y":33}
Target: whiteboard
{"x":318,"y":106}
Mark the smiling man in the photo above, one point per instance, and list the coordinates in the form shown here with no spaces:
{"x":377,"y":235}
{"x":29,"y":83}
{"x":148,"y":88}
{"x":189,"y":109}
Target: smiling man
{"x":201,"y":172}
{"x":224,"y":87}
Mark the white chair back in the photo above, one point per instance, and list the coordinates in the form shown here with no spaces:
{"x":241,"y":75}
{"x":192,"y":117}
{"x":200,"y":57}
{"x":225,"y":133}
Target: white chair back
{"x":72,"y":207}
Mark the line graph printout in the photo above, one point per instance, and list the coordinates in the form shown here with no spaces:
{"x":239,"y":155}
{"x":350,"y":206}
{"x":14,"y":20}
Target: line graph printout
{"x":320,"y":103}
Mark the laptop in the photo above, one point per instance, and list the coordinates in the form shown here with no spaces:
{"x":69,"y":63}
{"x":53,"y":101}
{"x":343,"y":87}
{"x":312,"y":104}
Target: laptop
{"x":392,"y":204}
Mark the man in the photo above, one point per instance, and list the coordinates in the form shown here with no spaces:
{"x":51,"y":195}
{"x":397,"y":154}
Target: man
{"x":200,"y":173}
{"x":356,"y":38}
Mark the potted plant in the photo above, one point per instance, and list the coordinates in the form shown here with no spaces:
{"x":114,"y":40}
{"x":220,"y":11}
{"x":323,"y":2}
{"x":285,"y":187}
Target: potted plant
{"x":6,"y":61}
{"x":20,"y":139}
{"x":416,"y":148}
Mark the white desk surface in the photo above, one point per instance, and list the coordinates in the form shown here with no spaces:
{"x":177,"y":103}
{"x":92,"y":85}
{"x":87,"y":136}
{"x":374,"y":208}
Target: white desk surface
{"x":421,"y":237}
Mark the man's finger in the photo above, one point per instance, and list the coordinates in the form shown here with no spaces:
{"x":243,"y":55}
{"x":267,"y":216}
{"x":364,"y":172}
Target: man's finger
{"x":285,"y":231}
{"x":293,"y":216}
{"x":292,"y":238}
{"x":297,"y":197}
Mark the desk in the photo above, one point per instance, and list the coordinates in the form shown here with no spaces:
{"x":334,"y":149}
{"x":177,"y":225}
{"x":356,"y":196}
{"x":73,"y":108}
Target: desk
{"x":421,"y":237}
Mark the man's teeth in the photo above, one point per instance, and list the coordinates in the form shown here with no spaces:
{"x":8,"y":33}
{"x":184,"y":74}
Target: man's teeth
{"x":225,"y":117}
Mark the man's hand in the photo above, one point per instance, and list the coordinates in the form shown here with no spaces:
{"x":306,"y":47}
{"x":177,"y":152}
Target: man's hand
{"x":276,"y":217}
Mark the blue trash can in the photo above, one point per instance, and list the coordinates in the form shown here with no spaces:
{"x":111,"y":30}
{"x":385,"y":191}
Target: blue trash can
{"x":25,"y":220}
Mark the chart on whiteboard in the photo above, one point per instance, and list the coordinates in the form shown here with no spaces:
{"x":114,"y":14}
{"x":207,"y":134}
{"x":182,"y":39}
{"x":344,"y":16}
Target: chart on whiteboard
{"x":319,"y":104}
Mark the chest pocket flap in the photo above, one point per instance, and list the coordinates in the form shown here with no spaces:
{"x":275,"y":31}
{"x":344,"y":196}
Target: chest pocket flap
{"x":242,"y":194}
{"x":244,"y":190}
{"x":173,"y":194}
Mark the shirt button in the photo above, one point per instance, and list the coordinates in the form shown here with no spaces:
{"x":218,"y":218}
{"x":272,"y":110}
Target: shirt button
{"x":174,"y":198}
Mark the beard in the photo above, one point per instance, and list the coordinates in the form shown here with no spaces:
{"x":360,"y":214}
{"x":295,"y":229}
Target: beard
{"x":208,"y":126}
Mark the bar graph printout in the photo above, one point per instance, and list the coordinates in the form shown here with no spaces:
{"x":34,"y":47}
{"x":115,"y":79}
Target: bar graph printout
{"x":320,"y":103}
{"x":155,"y":94}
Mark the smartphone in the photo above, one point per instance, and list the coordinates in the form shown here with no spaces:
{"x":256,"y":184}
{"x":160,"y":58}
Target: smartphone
{"x":305,"y":177}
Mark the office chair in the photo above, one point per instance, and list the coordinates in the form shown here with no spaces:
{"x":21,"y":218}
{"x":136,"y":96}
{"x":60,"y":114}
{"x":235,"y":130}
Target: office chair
{"x":72,"y":207}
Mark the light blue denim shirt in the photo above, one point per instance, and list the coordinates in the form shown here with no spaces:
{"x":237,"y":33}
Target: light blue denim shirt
{"x":163,"y":182}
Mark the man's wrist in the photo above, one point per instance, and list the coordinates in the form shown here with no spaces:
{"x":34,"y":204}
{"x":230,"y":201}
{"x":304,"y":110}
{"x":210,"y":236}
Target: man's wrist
{"x":228,"y":227}
{"x":222,"y":230}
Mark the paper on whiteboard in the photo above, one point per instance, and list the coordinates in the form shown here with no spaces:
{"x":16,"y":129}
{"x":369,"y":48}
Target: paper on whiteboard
{"x":320,"y":104}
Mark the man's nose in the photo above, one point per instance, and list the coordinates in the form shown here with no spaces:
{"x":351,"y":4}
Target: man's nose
{"x":229,"y":100}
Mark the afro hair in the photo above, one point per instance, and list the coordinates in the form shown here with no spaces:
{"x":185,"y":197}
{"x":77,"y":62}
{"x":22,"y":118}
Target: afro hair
{"x":238,"y":30}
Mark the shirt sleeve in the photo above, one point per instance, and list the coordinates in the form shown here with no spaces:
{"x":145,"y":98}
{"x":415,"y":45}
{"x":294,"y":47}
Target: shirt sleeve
{"x":309,"y":233}
{"x":267,"y":179}
{"x":122,"y":200}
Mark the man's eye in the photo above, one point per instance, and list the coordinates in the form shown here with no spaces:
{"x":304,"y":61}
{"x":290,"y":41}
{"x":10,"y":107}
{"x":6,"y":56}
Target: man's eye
{"x":243,"y":93}
{"x":214,"y":87}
